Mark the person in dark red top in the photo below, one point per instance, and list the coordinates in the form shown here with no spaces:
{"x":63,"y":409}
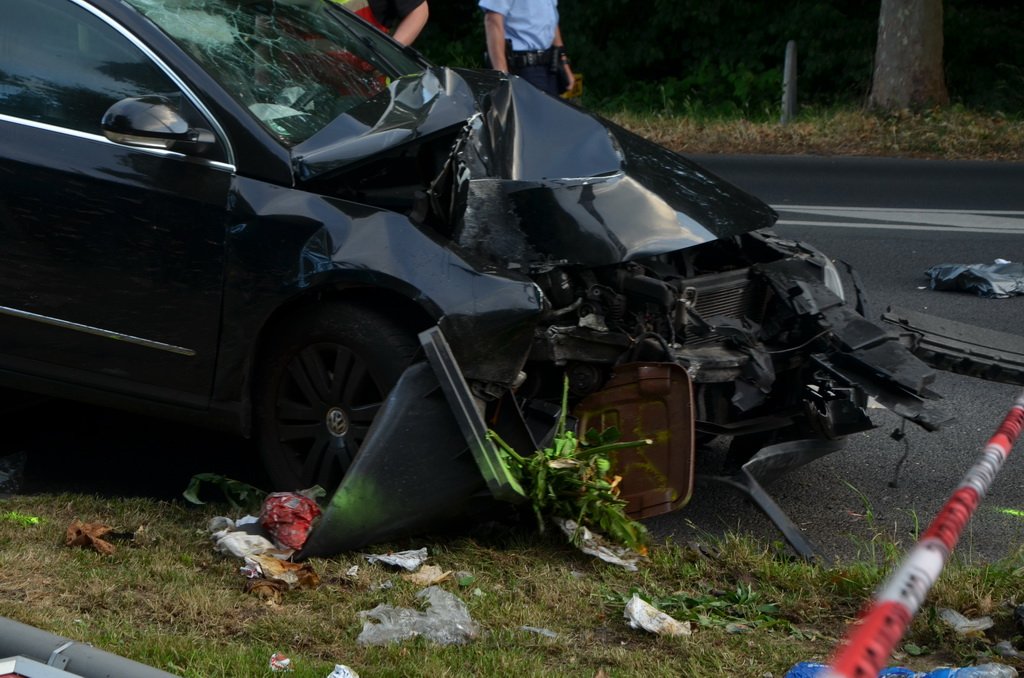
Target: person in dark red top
{"x":406,"y":17}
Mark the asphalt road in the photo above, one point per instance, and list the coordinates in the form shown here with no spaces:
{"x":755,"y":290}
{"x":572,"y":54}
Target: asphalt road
{"x":908,"y":216}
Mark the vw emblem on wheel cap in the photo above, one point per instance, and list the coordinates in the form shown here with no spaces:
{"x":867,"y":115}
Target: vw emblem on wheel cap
{"x":337,"y":422}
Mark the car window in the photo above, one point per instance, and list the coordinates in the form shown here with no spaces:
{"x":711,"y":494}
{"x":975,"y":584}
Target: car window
{"x":296,"y":65}
{"x":61,"y":65}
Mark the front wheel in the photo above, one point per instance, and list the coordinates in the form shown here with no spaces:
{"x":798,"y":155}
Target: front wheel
{"x":321,"y":381}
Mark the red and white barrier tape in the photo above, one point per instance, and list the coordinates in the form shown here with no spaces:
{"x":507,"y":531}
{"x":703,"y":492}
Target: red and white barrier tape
{"x":869,"y":645}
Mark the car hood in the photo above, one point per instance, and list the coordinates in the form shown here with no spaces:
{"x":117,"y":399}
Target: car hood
{"x":534,"y":178}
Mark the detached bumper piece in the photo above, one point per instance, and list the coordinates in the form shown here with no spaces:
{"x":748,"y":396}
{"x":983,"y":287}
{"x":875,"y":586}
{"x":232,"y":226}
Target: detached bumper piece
{"x":425,"y":456}
{"x":961,"y":348}
{"x":770,"y":463}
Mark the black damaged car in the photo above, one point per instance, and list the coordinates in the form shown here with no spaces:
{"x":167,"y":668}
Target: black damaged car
{"x":264,"y":215}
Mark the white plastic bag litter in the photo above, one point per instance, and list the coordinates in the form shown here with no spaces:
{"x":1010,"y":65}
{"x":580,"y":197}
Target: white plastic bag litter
{"x":640,"y":614}
{"x":407,"y":560}
{"x":963,"y":625}
{"x":242,"y":544}
{"x":594,"y":545}
{"x":446,"y":621}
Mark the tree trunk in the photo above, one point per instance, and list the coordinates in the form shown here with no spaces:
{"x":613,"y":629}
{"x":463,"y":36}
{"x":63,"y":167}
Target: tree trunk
{"x":908,"y":58}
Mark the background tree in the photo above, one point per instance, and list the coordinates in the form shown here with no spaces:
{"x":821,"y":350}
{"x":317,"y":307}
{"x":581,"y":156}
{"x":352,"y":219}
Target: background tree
{"x":908,"y":57}
{"x":725,"y":57}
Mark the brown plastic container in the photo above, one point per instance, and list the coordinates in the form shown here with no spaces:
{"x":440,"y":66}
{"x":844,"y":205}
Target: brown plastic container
{"x":647,"y":400}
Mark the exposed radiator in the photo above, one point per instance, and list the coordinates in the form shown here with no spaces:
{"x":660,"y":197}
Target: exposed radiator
{"x":728,"y":294}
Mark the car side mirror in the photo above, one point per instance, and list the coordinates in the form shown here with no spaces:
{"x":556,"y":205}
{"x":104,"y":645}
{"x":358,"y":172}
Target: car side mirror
{"x":152,"y":122}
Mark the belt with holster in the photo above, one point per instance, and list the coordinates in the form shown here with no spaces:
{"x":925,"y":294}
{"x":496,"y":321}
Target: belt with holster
{"x":533,"y":57}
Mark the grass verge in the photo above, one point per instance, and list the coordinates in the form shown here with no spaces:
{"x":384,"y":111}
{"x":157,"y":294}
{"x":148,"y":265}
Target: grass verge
{"x":951,"y":134}
{"x":169,"y":600}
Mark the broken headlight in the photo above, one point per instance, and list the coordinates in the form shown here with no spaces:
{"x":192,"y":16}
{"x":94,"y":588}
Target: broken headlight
{"x":831,"y":278}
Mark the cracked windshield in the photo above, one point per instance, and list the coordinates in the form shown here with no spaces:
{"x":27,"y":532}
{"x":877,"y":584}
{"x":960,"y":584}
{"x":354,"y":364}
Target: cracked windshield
{"x":296,"y":65}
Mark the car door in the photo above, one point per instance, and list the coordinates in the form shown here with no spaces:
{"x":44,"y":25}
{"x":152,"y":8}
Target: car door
{"x":111,"y":256}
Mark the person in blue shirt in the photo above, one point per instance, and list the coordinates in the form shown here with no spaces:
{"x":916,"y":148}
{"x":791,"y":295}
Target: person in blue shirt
{"x":523,"y":38}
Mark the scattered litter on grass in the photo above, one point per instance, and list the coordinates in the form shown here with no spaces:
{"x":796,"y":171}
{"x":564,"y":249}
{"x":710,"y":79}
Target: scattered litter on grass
{"x":265,"y":589}
{"x":1006,"y":650}
{"x":19,"y":518}
{"x":428,"y":575}
{"x":407,"y":560}
{"x":464,"y":579}
{"x":735,"y":628}
{"x":640,"y":614}
{"x":280,"y":662}
{"x":352,"y":572}
{"x":242,"y":544}
{"x":243,"y":537}
{"x":288,"y":516}
{"x":547,"y":633}
{"x":342,"y":671}
{"x":292,"y":575}
{"x":220,"y":524}
{"x":595,"y":545}
{"x":998,"y":281}
{"x":89,"y":535}
{"x":446,"y":621}
{"x":964,"y":626}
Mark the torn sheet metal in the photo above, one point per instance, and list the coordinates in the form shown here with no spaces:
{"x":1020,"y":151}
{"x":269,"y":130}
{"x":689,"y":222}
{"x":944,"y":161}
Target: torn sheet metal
{"x":397,"y":484}
{"x":605,"y":197}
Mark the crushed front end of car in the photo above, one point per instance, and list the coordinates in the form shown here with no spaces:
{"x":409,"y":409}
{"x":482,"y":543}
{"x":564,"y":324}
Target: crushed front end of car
{"x":666,"y":302}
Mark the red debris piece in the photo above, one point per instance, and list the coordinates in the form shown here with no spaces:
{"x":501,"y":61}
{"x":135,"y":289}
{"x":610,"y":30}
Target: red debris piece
{"x":288,"y":518}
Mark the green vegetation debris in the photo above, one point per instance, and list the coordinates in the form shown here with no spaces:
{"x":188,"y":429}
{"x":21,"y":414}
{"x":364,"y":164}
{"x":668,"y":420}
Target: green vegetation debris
{"x":572,"y":480}
{"x":240,"y":495}
{"x":19,"y":518}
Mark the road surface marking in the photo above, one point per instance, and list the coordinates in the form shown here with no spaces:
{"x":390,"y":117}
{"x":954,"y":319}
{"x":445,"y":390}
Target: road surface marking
{"x":908,"y":219}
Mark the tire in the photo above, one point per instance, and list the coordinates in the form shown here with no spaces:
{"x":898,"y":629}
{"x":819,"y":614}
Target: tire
{"x":320,"y":383}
